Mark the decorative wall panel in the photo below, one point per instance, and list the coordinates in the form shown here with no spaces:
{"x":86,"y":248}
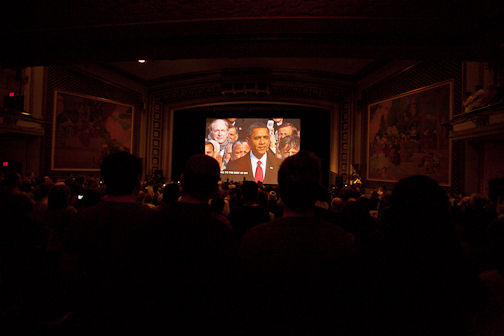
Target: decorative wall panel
{"x":421,"y":75}
{"x":68,"y":79}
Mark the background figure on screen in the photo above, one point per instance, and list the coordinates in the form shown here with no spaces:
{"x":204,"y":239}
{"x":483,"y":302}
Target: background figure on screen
{"x":241,"y":126}
{"x":233,"y":134}
{"x":240,"y":148}
{"x":260,"y":164}
{"x":227,"y":155}
{"x":212,"y":150}
{"x":289,"y":145}
{"x":219,"y":131}
{"x":286,"y":129}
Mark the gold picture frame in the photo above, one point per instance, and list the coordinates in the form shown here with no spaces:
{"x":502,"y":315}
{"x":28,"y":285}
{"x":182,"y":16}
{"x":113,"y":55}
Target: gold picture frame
{"x":406,"y":136}
{"x":86,"y":129}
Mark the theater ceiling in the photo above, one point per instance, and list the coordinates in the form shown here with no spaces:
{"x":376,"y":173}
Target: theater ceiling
{"x":345,"y":38}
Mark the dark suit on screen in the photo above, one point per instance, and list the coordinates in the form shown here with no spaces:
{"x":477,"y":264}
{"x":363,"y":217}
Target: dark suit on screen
{"x":244,"y":164}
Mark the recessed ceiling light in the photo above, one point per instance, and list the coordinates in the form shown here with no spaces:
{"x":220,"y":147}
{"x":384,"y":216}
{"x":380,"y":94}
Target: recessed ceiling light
{"x":141,"y":61}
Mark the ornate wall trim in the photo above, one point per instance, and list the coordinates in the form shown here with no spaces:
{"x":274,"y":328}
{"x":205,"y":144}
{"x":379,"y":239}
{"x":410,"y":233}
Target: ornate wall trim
{"x":287,"y":92}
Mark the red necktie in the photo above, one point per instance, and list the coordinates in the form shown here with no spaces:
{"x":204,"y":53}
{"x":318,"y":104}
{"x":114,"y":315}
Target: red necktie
{"x":259,"y":173}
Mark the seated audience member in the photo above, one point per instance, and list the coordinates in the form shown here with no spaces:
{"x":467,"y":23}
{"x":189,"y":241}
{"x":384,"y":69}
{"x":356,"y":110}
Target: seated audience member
{"x":169,"y":195}
{"x":494,"y":276}
{"x":297,"y":269}
{"x":40,"y":198}
{"x":217,"y":204}
{"x":355,"y":218}
{"x":191,"y":257}
{"x":337,"y":203}
{"x":472,"y":222}
{"x":240,"y":148}
{"x":248,"y":214}
{"x":273,"y":204}
{"x":322,"y":209}
{"x":57,"y":222}
{"x":106,"y":242}
{"x":418,"y":279}
{"x":17,"y":241}
{"x":375,"y":200}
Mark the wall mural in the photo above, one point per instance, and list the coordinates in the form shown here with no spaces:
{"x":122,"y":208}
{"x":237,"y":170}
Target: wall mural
{"x":86,"y":129}
{"x":407,"y":137}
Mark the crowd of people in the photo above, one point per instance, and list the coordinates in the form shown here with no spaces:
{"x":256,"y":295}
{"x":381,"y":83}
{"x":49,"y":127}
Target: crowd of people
{"x":121,"y":253}
{"x":232,"y":138}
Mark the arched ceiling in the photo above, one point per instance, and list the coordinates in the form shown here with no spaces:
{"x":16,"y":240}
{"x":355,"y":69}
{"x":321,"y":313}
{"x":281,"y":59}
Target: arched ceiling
{"x":180,"y":37}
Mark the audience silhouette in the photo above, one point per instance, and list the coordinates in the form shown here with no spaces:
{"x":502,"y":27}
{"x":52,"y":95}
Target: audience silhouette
{"x":410,"y":261}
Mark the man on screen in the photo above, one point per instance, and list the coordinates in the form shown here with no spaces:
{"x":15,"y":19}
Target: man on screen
{"x":240,"y":148}
{"x":288,"y":146}
{"x":285,"y":130}
{"x":233,"y":134}
{"x":260,"y":164}
{"x":219,"y":131}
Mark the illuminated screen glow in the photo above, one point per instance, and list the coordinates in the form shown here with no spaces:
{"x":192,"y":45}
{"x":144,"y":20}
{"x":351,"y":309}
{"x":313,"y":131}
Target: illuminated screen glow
{"x":238,"y":143}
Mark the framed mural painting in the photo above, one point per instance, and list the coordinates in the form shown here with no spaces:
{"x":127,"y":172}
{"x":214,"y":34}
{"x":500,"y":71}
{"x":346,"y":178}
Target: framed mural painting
{"x":86,"y":129}
{"x":406,"y":136}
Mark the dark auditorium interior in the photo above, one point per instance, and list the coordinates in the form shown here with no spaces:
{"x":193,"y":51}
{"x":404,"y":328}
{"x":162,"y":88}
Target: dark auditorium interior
{"x":328,"y":60}
{"x":352,"y":72}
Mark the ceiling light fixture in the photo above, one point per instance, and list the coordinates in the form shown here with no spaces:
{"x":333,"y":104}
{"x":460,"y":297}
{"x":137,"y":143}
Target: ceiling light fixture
{"x":141,"y":61}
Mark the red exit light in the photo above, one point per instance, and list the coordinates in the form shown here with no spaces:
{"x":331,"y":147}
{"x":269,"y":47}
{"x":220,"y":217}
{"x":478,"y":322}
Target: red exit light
{"x":11,"y":94}
{"x":6,"y":164}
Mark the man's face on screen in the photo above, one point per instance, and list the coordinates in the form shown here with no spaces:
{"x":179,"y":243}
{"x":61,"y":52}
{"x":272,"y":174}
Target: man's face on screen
{"x":240,"y":150}
{"x":259,"y":141}
{"x":289,"y":150}
{"x":233,"y":134}
{"x":219,"y":131}
{"x":228,"y":152}
{"x":284,"y":131}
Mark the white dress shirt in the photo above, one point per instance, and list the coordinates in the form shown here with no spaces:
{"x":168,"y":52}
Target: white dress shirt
{"x":254,"y":160}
